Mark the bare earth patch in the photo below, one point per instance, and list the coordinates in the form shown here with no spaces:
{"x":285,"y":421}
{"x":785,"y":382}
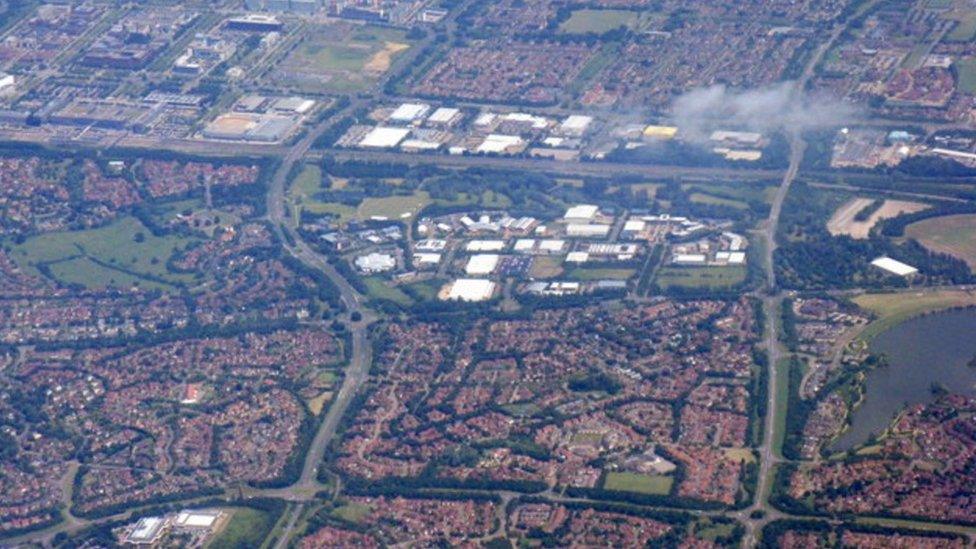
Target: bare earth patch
{"x":843,"y":223}
{"x":380,"y":63}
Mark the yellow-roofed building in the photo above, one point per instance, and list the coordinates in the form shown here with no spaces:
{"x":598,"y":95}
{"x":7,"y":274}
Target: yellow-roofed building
{"x":660,"y":132}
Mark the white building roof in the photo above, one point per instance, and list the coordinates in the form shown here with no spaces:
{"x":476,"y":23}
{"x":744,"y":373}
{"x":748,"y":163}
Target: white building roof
{"x":196,"y":519}
{"x":384,"y":138}
{"x":552,"y":245}
{"x":689,"y":258}
{"x":743,"y":137}
{"x":485,"y":119}
{"x":582,"y":211}
{"x":499,"y":143}
{"x":427,"y":259}
{"x":408,"y":112}
{"x":524,"y":244}
{"x":577,"y":257}
{"x":375,"y":263}
{"x":444,"y":115}
{"x":737,"y":258}
{"x":146,"y":529}
{"x":298,"y":105}
{"x":538,"y":122}
{"x":894,"y":266}
{"x":634,"y":226}
{"x":485,"y":245}
{"x":471,"y":289}
{"x":419,"y":145}
{"x":481,"y":264}
{"x":587,"y":229}
{"x":576,"y":123}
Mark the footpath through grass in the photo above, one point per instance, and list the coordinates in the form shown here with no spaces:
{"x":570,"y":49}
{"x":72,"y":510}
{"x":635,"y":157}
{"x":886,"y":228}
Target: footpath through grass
{"x":124,"y":251}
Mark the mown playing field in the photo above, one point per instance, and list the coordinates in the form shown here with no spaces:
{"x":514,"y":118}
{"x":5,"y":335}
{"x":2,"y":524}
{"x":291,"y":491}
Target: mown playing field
{"x":954,"y":235}
{"x":121,"y":254}
{"x":641,"y":484}
{"x":712,"y":278}
{"x":894,"y":308}
{"x":598,"y":21}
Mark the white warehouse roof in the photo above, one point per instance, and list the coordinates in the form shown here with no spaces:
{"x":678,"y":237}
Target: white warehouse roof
{"x":552,"y":246}
{"x":893,"y":266}
{"x":634,"y":226}
{"x":576,"y":123}
{"x":587,"y":230}
{"x":481,"y":264}
{"x":498,"y":143}
{"x":427,"y":258}
{"x":376,"y":263}
{"x":582,"y":211}
{"x":408,"y":112}
{"x":384,"y":138}
{"x":470,"y":289}
{"x":686,"y":259}
{"x":485,"y":245}
{"x":444,"y":115}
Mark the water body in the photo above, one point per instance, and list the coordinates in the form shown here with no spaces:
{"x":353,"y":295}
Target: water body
{"x":922,"y":351}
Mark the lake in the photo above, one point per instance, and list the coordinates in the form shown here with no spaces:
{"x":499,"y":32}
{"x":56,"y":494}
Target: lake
{"x":929,"y":349}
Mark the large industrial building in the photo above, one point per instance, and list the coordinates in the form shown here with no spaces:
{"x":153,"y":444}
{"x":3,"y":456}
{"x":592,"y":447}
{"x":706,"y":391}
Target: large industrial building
{"x":469,"y":289}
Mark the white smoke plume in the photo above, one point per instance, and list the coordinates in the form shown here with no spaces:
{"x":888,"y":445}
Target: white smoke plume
{"x":779,"y":107}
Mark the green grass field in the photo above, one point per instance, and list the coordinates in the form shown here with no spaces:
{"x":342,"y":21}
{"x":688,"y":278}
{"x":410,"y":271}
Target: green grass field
{"x":965,"y":30}
{"x":641,"y":484}
{"x":340,"y":60}
{"x":715,"y":278}
{"x":954,"y":235}
{"x":380,"y":289}
{"x":894,"y":308}
{"x":782,"y":389}
{"x":967,"y":75}
{"x":247,"y":528}
{"x":426,"y":290}
{"x":308,"y":183}
{"x":712,"y":200}
{"x":353,"y":512}
{"x":598,"y":21}
{"x":587,"y":274}
{"x":125,"y":245}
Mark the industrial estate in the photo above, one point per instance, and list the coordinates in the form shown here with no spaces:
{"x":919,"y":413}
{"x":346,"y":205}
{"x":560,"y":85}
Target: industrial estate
{"x":506,"y":273}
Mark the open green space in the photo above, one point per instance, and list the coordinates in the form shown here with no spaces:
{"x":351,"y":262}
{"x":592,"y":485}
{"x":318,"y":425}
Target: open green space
{"x":246,"y":528}
{"x":714,"y":278}
{"x":378,"y":288}
{"x":425,"y":290}
{"x":309,"y":183}
{"x":712,"y":200}
{"x":894,"y":308}
{"x":966,"y":69}
{"x":587,"y":274}
{"x":782,"y":390}
{"x":87,"y":257}
{"x":954,"y":235}
{"x":352,"y":512}
{"x":965,"y":30}
{"x":638,"y":483}
{"x":596,"y":21}
{"x":335,"y":58}
{"x":737,"y":195}
{"x":393,"y":207}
